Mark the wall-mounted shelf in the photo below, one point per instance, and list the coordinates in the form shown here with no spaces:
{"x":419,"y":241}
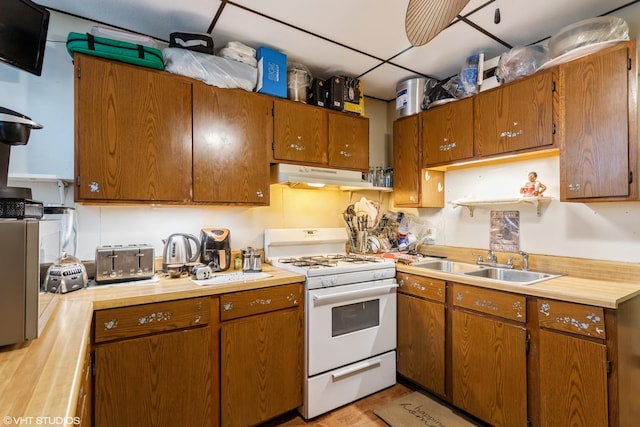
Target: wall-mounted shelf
{"x":471,"y":204}
{"x":62,"y":183}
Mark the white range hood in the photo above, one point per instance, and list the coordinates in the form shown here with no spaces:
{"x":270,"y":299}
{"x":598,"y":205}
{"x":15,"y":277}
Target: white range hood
{"x":296,"y":176}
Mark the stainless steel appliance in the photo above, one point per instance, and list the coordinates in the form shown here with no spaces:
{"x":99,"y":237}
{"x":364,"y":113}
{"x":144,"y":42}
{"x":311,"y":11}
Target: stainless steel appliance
{"x":350,"y":315}
{"x":215,"y":249}
{"x":65,"y":278}
{"x":178,"y":250}
{"x":121,"y":263}
{"x":20,"y":280}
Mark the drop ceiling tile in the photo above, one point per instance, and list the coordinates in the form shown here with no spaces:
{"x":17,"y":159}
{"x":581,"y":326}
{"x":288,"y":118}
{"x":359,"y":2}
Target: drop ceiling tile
{"x":444,"y":55}
{"x":374,"y":27}
{"x":157,"y":19}
{"x":381,"y":82}
{"x":524,"y":22}
{"x":322,"y":57}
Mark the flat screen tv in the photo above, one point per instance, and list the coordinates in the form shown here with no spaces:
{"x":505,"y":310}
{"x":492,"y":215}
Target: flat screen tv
{"x":23,"y":34}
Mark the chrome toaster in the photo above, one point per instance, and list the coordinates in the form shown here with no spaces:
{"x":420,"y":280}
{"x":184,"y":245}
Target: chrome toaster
{"x":121,"y":263}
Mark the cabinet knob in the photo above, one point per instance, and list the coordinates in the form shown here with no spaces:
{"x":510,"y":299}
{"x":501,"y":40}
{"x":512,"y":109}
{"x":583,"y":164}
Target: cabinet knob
{"x":259,"y":194}
{"x":345,"y":154}
{"x":574,"y":187}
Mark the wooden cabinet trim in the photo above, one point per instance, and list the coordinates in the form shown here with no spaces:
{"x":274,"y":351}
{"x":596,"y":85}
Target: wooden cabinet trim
{"x":258,"y":301}
{"x":570,"y":317}
{"x":488,"y":301}
{"x":126,"y":322}
{"x":421,"y":286}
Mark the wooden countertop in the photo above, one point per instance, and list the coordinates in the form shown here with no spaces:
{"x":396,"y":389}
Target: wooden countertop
{"x":41,"y":378}
{"x":598,"y":292}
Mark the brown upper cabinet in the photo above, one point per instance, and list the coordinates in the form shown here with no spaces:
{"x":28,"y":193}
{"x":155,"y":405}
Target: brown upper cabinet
{"x":598,"y":126}
{"x":305,"y":134}
{"x":132,"y":133}
{"x":413,"y":186}
{"x":231,"y":136}
{"x":516,"y":116}
{"x":147,"y":136}
{"x":448,"y":132}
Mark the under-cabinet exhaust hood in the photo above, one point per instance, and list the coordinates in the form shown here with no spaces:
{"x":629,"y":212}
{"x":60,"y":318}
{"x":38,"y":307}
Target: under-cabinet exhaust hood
{"x":296,"y":176}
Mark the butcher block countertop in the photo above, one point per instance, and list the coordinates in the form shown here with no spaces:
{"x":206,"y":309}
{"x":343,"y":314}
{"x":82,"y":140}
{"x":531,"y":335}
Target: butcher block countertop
{"x":40,"y":379}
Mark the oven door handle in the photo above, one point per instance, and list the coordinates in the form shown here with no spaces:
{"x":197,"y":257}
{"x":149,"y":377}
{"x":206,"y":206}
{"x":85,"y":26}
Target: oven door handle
{"x":364,"y":366}
{"x":349,"y":295}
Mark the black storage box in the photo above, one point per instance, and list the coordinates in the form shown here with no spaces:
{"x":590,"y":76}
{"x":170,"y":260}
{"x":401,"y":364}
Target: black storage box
{"x":317,"y":93}
{"x":334,"y":89}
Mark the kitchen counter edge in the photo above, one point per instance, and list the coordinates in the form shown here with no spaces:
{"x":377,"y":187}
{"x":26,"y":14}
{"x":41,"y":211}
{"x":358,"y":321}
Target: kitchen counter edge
{"x":40,"y":379}
{"x":596,"y":292}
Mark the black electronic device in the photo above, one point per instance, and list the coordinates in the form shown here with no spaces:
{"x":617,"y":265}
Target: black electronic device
{"x":23,"y":34}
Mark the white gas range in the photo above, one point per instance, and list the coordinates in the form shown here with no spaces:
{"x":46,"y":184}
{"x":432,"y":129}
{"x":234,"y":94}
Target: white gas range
{"x":350,"y":315}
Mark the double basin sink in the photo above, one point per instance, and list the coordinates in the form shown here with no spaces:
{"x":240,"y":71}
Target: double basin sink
{"x":497,"y":274}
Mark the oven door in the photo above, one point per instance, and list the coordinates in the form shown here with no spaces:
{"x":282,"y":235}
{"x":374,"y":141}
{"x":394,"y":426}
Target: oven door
{"x":349,"y":323}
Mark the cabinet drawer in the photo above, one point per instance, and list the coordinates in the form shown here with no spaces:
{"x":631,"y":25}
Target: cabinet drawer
{"x":424,"y":287}
{"x":136,"y":320}
{"x":496,"y":303}
{"x":569,"y":317}
{"x":247,"y":303}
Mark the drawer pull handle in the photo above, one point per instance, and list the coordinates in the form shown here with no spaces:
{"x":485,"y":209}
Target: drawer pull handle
{"x":418,"y":286}
{"x":111,"y":324}
{"x":198,"y":318}
{"x":260,"y":301}
{"x":487,"y":304}
{"x":356,"y":369}
{"x":155,"y":317}
{"x":544,"y":309}
{"x":517,"y":308}
{"x":228,"y":306}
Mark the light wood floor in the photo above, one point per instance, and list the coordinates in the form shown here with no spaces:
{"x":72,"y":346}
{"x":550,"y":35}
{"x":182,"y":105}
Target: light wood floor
{"x":357,"y":414}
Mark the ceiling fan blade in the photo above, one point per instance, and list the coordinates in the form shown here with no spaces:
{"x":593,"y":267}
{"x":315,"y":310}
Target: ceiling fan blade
{"x":426,"y":18}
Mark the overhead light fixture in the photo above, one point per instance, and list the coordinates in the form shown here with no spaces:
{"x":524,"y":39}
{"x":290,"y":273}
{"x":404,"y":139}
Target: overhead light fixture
{"x":426,"y":18}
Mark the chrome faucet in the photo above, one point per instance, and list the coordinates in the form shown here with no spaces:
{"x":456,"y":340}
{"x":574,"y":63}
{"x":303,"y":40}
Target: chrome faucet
{"x":492,"y":261}
{"x":525,"y":260}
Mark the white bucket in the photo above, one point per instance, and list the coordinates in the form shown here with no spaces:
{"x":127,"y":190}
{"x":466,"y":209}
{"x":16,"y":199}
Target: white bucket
{"x":410,"y":96}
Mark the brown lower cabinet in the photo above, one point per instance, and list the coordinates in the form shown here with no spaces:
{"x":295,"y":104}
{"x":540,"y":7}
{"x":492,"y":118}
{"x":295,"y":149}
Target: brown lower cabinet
{"x":261,"y":359}
{"x":516,"y":360}
{"x":152,"y":365}
{"x":232,"y":360}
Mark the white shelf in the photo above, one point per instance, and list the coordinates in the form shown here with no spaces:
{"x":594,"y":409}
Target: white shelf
{"x":37,"y":177}
{"x":471,"y":204}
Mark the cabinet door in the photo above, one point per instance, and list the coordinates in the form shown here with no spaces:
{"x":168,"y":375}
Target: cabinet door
{"x":231,"y":136}
{"x":133,"y":133}
{"x":573,"y":381}
{"x":157,"y":380}
{"x":597,"y":155}
{"x":300,"y":132}
{"x":348,"y":142}
{"x":261,"y":370}
{"x":406,"y":161}
{"x":516,"y":116}
{"x":448,"y":132}
{"x":489,"y":369}
{"x":421,"y":349}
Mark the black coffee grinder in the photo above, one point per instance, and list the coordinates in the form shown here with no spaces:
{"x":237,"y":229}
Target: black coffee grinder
{"x":15,"y":202}
{"x":215,"y":248}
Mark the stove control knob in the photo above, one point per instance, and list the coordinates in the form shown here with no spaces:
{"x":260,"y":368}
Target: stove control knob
{"x":377,"y":275}
{"x":324,"y":282}
{"x":334,"y":280}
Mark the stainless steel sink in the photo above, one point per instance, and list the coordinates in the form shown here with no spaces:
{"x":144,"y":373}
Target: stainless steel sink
{"x":517,"y":277}
{"x":447,"y":266}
